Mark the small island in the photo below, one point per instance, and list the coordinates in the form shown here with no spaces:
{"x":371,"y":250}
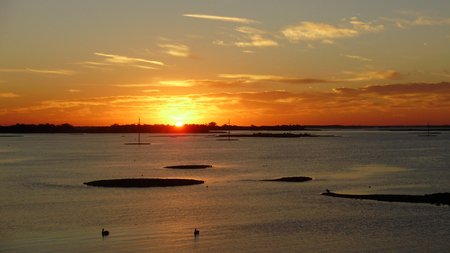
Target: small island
{"x":435,"y":198}
{"x":143,"y":182}
{"x":289,"y":179}
{"x":194,"y":166}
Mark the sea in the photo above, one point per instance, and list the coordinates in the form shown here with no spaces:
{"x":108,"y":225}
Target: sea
{"x":45,"y":207}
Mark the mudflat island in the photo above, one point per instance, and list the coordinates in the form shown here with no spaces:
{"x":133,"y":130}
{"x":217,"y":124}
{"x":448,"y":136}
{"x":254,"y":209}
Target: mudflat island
{"x":289,"y":179}
{"x":435,"y":198}
{"x":143,"y":182}
{"x":193,"y":166}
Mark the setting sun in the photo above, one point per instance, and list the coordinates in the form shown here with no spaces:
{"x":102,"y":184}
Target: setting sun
{"x":179,"y":124}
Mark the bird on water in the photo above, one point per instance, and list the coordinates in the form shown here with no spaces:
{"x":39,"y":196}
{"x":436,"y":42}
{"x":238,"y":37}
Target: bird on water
{"x":105,"y":232}
{"x":196,"y":232}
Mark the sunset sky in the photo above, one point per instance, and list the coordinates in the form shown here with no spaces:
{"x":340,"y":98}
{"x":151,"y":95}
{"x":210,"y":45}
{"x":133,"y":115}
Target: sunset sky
{"x":260,"y":62}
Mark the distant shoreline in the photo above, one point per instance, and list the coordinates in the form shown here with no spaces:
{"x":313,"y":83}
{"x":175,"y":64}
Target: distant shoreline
{"x":199,"y":128}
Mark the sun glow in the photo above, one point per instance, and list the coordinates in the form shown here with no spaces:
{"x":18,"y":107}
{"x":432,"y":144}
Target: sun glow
{"x":179,"y":124}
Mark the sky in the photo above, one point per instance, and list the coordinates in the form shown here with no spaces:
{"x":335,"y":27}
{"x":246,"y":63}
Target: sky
{"x":253,"y":62}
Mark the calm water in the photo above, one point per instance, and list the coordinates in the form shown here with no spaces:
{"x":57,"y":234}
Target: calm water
{"x":46,"y":208}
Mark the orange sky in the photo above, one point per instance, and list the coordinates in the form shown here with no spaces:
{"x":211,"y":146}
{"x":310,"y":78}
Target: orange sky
{"x":254,"y":62}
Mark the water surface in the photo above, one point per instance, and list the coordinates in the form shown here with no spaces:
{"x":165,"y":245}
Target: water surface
{"x":46,"y":208}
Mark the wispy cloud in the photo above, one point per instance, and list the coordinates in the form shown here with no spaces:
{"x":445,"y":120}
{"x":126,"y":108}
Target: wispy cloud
{"x":251,"y":30}
{"x":8,"y":95}
{"x":388,"y":75}
{"x":124,"y":60}
{"x":272,"y":78}
{"x":419,"y":21}
{"x":132,"y":85}
{"x":42,"y":71}
{"x":389,"y":100}
{"x":364,"y":26}
{"x":178,"y":50}
{"x":357,"y":57}
{"x":316,"y":31}
{"x":222,"y":18}
{"x":257,"y":40}
{"x":209,"y":83}
{"x":310,"y":31}
{"x":418,"y":90}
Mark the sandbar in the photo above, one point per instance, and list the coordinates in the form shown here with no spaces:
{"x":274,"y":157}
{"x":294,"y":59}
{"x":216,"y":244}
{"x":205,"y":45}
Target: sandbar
{"x":290,"y":179}
{"x":194,"y":166}
{"x":435,"y":198}
{"x":143,"y":182}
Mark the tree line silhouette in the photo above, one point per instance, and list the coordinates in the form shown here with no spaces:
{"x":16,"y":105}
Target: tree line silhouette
{"x":140,"y":128}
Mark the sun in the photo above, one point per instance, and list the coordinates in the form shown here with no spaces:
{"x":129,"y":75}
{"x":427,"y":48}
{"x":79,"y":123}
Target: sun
{"x":179,"y":124}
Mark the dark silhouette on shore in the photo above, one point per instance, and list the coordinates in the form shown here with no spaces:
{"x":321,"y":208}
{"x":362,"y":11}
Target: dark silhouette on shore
{"x":435,"y":198}
{"x":143,"y":182}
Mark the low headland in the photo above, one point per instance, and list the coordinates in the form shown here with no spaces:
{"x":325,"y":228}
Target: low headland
{"x":435,"y":198}
{"x":289,"y":179}
{"x":143,"y":182}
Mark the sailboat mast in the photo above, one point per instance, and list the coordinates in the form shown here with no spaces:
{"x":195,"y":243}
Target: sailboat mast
{"x":229,"y":132}
{"x":139,"y":131}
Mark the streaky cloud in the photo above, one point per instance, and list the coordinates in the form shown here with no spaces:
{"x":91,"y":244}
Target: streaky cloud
{"x":257,"y":41}
{"x":311,"y":31}
{"x":277,"y":78}
{"x":222,"y":18}
{"x":357,"y":57}
{"x":250,"y":30}
{"x":316,"y":31}
{"x":442,"y":88}
{"x":178,"y":50}
{"x":388,"y":75}
{"x":124,"y":60}
{"x":42,"y":71}
{"x":420,"y":21}
{"x":8,"y":95}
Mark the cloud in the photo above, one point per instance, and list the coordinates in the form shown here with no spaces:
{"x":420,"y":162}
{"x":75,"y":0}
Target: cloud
{"x":132,"y":85}
{"x":219,"y":83}
{"x":8,"y":95}
{"x":277,"y":78}
{"x":42,"y":71}
{"x":419,"y":21}
{"x":178,"y":50}
{"x":119,"y":60}
{"x":357,"y":57}
{"x":389,"y":75}
{"x":310,"y":31}
{"x":74,"y":91}
{"x":252,"y":38}
{"x":418,"y":89}
{"x":382,"y":100}
{"x":222,"y":18}
{"x":316,"y":31}
{"x":251,"y":30}
{"x":365,"y":26}
{"x":257,"y":41}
